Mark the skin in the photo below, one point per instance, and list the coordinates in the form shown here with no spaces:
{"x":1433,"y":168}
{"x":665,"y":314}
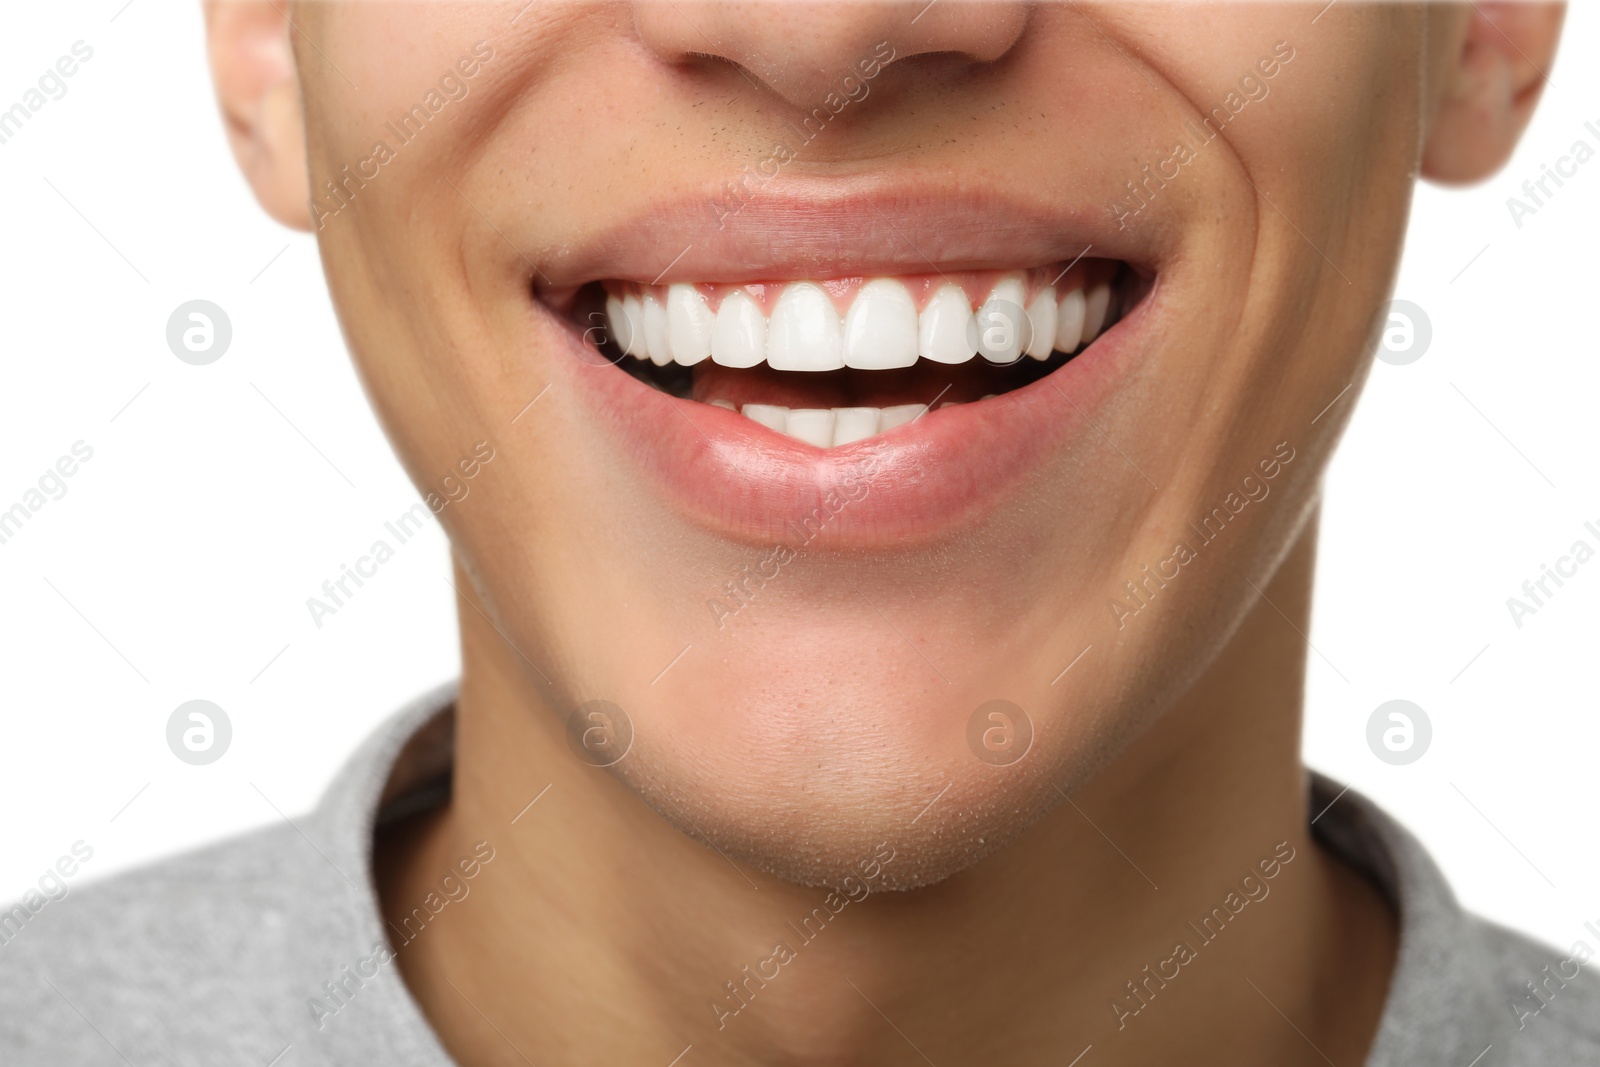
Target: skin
{"x":800,"y":743}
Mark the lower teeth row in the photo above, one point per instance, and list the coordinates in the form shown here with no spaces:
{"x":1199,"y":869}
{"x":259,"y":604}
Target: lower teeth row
{"x":830,"y":427}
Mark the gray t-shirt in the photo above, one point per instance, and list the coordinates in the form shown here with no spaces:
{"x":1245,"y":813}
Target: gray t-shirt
{"x":268,"y":950}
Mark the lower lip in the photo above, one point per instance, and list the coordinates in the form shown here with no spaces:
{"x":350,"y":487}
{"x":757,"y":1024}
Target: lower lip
{"x":921,"y":480}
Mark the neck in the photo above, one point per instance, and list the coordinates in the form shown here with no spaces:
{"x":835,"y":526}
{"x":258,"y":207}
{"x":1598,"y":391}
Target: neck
{"x":1122,"y":920}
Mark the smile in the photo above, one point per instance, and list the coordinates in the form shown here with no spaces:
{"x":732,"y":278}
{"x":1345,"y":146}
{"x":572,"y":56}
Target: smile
{"x":836,"y":361}
{"x":917,"y":351}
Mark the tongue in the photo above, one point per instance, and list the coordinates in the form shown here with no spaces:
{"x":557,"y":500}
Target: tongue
{"x":919,"y":384}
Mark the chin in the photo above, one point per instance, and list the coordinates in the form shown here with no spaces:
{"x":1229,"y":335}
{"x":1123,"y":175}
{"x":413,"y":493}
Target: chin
{"x":811,"y":783}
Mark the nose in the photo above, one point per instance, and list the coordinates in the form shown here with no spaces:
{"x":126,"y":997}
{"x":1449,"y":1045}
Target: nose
{"x":802,"y":51}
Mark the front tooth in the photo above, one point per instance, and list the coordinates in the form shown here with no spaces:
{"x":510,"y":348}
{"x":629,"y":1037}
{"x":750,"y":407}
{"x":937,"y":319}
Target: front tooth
{"x":1094,"y":313}
{"x":880,"y":330}
{"x":772,"y":416}
{"x":899,"y":415}
{"x":739,"y":338}
{"x":998,"y":329}
{"x":854,"y":424}
{"x":1042,"y":317}
{"x":655,"y":331}
{"x":689,"y":324}
{"x":728,"y":404}
{"x":633,"y":312}
{"x":814,"y":426}
{"x":1069,"y":321}
{"x":945,"y":326}
{"x":803,"y":334}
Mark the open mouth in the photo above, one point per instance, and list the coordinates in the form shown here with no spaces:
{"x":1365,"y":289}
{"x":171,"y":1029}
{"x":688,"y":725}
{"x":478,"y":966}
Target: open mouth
{"x":830,"y":362}
{"x":874,"y":362}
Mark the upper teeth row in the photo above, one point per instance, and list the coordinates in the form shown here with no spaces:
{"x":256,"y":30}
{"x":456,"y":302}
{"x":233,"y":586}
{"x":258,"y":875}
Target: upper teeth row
{"x":881,"y":331}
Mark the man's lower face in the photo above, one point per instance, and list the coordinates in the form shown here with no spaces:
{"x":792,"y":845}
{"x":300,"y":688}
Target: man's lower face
{"x":888,"y":458}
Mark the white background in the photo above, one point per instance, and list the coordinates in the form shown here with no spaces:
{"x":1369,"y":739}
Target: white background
{"x":179,"y":562}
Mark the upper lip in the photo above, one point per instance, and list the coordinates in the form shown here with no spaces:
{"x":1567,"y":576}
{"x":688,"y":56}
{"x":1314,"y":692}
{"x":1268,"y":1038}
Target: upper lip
{"x":795,"y":228}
